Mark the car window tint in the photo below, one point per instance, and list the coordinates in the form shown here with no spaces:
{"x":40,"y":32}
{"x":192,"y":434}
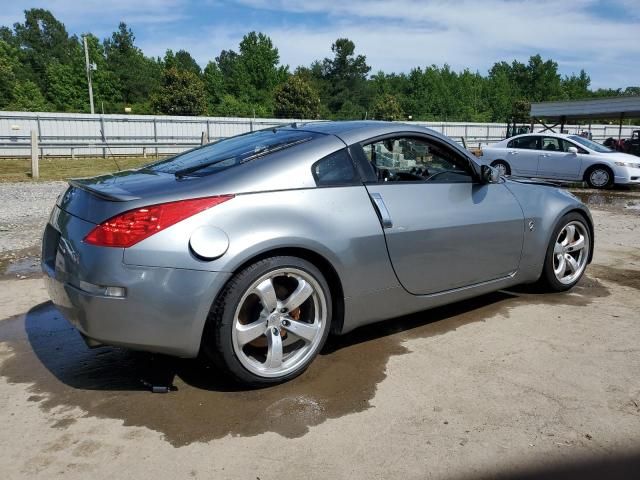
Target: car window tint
{"x":335,"y":169}
{"x":232,"y":151}
{"x":526,"y":143}
{"x":553,"y":144}
{"x":407,"y":159}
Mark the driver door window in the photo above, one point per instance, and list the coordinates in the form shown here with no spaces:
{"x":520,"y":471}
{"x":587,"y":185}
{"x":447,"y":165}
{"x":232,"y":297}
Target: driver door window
{"x":407,"y":159}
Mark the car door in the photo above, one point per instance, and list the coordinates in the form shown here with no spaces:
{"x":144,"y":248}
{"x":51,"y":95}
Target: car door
{"x":555,"y":161}
{"x":522,"y":155}
{"x":444,"y":230}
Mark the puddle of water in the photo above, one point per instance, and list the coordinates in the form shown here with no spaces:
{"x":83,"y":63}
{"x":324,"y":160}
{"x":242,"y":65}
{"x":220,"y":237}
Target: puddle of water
{"x":106,"y":382}
{"x":625,"y":202}
{"x":23,"y":263}
{"x":622,"y":276}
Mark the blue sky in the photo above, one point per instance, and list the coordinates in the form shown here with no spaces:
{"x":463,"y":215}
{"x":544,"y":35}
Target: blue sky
{"x":603,"y":37}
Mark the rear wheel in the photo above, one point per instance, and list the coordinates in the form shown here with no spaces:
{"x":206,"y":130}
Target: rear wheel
{"x":599,"y":177}
{"x":567,"y":254}
{"x":502,"y":167}
{"x":270,"y":321}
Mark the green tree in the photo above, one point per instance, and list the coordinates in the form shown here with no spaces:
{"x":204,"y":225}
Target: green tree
{"x":42,"y":39}
{"x":387,"y":107}
{"x":214,"y":85}
{"x":27,"y":97}
{"x":576,"y":86}
{"x":296,"y":98}
{"x":181,"y":60}
{"x":136,"y":75}
{"x":346,"y":92}
{"x":67,"y":87}
{"x":8,"y":63}
{"x":181,"y":93}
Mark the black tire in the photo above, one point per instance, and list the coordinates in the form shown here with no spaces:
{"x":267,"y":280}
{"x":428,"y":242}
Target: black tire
{"x":602,"y":169}
{"x":548,"y":281}
{"x":501,"y":163}
{"x":217,"y":343}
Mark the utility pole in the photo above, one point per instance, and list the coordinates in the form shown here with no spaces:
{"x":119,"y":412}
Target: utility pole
{"x":88,"y":66}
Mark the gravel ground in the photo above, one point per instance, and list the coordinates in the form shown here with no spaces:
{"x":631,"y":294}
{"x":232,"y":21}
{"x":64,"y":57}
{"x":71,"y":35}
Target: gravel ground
{"x":24,"y":209}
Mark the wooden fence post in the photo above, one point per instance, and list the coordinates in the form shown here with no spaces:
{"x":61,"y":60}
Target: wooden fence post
{"x":35,"y":170}
{"x":204,"y":138}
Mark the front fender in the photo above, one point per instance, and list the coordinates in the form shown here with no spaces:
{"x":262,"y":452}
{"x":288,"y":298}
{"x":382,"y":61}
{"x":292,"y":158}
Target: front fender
{"x":543,"y":207}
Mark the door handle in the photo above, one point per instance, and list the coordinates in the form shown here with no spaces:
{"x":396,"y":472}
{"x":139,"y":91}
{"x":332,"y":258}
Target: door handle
{"x":381,"y":208}
{"x":513,"y":153}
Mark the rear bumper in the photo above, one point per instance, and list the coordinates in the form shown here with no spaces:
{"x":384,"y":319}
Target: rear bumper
{"x":164,"y":309}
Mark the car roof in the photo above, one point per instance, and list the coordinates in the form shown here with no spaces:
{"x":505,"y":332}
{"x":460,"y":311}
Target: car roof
{"x":543,"y":134}
{"x":354,"y":131}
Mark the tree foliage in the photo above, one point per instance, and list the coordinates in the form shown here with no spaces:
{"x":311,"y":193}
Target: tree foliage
{"x":181,"y":93}
{"x":296,"y":98}
{"x":387,"y":107}
{"x":42,"y":67}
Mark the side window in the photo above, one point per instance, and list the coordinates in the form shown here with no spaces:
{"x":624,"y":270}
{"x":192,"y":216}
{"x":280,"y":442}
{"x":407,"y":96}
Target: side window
{"x":526,"y":143}
{"x":553,"y":144}
{"x":335,"y":169}
{"x":407,"y":159}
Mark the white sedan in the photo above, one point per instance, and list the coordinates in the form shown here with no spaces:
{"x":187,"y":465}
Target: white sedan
{"x":562,"y":157}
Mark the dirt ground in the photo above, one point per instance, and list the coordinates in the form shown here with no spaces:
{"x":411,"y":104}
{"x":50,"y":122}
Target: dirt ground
{"x":511,"y":384}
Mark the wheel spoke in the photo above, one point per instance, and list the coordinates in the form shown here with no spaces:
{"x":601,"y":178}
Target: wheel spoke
{"x":274,"y":353}
{"x":561,"y":268}
{"x":299,"y":295}
{"x":558,"y":249}
{"x":306,"y":331}
{"x":572,"y":262}
{"x":267,"y":295}
{"x":248,"y":333}
{"x":571,"y":234}
{"x":576,"y":244}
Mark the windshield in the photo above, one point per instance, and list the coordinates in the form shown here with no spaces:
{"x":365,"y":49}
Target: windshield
{"x":231,"y":151}
{"x":596,"y":147}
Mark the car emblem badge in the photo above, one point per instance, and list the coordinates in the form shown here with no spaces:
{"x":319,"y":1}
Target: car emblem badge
{"x":532,"y":225}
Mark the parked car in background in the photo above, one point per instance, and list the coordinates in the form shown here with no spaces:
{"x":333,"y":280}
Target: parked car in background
{"x":252,"y":249}
{"x":563,"y":157}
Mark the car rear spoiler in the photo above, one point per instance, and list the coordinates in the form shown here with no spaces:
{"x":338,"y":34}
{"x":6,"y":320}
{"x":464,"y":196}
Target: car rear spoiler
{"x":103,"y":191}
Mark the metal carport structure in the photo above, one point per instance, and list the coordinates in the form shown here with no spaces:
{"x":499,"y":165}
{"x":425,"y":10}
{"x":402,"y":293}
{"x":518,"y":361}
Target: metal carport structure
{"x":601,"y":108}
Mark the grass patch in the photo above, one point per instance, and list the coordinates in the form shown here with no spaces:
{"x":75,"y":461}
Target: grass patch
{"x":19,"y":170}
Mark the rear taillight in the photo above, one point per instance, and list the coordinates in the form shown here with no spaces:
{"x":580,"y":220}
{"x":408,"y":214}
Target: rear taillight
{"x":128,"y":228}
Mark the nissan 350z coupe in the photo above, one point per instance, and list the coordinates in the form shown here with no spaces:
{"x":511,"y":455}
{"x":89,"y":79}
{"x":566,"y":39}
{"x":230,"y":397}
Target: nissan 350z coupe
{"x":253,"y":249}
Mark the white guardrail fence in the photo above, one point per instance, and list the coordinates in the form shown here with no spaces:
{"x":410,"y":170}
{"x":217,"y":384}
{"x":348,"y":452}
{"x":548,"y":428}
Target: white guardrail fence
{"x":70,"y":134}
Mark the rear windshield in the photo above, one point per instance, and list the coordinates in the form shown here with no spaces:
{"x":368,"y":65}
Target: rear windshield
{"x":231,"y":151}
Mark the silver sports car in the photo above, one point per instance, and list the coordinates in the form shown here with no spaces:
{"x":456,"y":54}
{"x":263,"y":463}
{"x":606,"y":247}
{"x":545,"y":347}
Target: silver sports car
{"x":253,"y":249}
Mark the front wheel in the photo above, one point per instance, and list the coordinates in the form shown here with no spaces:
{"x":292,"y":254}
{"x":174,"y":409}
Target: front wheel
{"x":567,"y":254}
{"x":599,"y":177}
{"x":270,"y":321}
{"x":502,"y":167}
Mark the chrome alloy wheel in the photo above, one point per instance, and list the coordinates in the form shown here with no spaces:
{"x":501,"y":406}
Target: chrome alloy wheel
{"x":599,"y":177}
{"x":571,"y":252}
{"x":279,"y":322}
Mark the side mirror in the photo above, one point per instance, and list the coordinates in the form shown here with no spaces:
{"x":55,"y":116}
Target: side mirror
{"x":572,"y":150}
{"x":489,"y":174}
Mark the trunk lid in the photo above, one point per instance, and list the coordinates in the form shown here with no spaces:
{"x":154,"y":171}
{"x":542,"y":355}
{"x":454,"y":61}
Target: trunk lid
{"x":99,"y":198}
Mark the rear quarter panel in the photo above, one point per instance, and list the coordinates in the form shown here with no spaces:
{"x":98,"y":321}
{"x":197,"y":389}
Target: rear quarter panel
{"x":338,"y":223}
